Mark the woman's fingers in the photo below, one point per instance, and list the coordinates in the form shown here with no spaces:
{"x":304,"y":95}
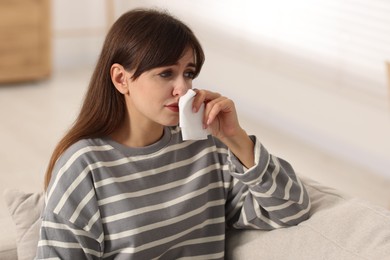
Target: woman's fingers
{"x":215,"y":107}
{"x":219,"y":114}
{"x":203,"y":96}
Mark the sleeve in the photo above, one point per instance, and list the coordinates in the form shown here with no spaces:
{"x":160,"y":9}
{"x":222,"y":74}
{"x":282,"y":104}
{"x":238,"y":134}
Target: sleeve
{"x":71,"y":223}
{"x":267,"y":196}
{"x":61,"y":239}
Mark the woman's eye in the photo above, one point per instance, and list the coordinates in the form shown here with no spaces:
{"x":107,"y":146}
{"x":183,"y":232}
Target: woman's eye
{"x":189,"y":74}
{"x":165,"y":74}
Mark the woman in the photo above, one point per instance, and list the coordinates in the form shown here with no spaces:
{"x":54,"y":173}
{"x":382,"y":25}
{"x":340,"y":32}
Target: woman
{"x":122,"y":184}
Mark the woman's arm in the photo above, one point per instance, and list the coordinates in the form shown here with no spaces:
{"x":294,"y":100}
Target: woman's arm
{"x":62,"y":239}
{"x":71,"y":223}
{"x":268,"y":194}
{"x":220,"y":117}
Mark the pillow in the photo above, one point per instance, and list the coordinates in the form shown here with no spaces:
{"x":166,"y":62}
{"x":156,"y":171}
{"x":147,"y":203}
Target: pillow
{"x":25,"y":210}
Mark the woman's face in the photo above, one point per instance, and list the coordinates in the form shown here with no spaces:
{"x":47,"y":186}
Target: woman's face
{"x":153,"y":97}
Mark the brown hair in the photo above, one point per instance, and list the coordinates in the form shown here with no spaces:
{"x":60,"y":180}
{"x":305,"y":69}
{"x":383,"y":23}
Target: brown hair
{"x":139,"y":40}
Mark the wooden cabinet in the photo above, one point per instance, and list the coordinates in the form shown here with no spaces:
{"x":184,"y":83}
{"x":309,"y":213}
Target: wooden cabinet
{"x":24,"y":40}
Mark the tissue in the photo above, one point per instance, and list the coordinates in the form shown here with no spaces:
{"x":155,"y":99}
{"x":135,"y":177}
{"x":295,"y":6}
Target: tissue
{"x":191,"y":123}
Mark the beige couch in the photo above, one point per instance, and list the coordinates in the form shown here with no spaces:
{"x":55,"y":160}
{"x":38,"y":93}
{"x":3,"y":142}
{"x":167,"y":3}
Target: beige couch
{"x":339,"y":228}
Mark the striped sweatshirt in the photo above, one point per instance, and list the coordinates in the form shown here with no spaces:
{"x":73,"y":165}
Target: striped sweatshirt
{"x":173,"y":199}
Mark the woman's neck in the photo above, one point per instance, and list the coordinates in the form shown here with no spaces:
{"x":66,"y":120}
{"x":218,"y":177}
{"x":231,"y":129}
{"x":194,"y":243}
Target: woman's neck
{"x":138,"y":135}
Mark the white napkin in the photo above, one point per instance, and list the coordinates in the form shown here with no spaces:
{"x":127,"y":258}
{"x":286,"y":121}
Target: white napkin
{"x":191,"y":123}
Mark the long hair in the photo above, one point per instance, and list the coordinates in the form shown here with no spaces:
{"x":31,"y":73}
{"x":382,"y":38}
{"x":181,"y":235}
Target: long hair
{"x":139,"y":40}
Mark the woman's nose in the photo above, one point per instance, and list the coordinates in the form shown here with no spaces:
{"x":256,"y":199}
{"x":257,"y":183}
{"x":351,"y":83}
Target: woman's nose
{"x":181,"y":87}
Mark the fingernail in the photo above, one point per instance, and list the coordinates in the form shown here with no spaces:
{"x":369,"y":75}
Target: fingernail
{"x":194,"y":109}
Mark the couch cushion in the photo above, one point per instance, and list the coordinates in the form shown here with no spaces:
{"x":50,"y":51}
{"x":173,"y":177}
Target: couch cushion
{"x":339,"y":228}
{"x":25,"y":210}
{"x":7,"y":239}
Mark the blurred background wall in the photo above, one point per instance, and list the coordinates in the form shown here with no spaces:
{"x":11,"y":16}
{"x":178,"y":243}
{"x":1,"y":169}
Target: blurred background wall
{"x":314,"y":69}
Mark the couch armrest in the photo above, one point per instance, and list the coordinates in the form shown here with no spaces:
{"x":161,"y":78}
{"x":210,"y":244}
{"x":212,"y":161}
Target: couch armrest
{"x":7,"y":239}
{"x":339,"y":228}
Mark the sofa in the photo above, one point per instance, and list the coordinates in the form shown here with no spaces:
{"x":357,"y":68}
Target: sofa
{"x":340,"y":227}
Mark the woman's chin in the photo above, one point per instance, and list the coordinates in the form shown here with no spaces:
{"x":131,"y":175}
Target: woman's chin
{"x":172,"y":122}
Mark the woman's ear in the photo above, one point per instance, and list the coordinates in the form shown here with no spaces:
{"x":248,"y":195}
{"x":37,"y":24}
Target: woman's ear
{"x":119,"y":78}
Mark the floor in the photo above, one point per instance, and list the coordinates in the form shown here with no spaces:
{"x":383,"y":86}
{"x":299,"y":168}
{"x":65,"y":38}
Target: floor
{"x":35,"y":115}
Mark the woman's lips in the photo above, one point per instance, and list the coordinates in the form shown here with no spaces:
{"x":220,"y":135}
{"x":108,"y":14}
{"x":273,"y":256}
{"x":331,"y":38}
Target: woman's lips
{"x":173,"y":107}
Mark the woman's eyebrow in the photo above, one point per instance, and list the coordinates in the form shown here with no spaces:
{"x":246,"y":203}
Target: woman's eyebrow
{"x":191,"y":64}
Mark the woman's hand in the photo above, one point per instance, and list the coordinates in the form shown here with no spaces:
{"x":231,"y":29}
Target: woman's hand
{"x":220,"y":118}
